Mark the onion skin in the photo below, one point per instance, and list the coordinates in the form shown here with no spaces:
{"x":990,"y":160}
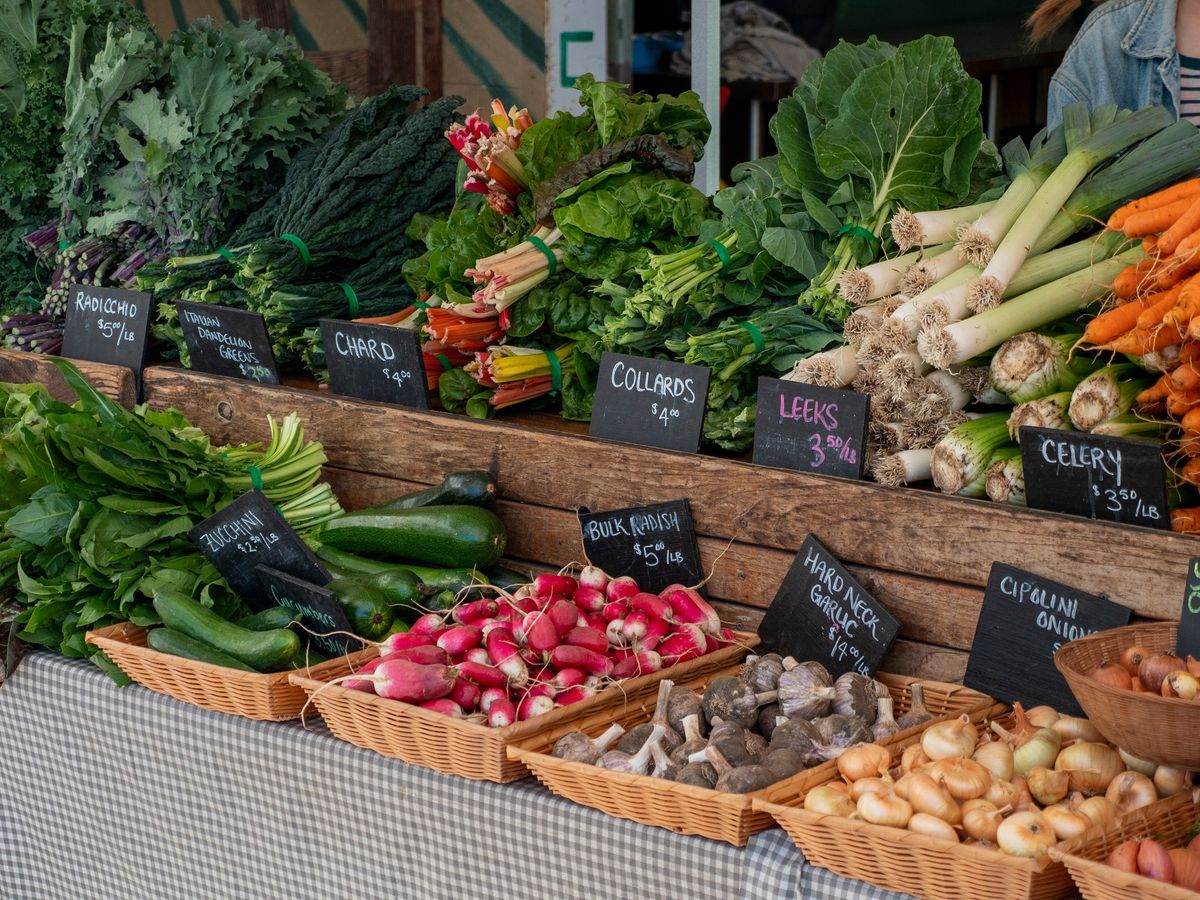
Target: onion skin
{"x":1193,"y":665}
{"x":932,"y":826}
{"x":828,"y":800}
{"x":1132,"y":658}
{"x":1130,"y":791}
{"x":1187,"y":868}
{"x":1180,"y":685}
{"x":1026,"y":834}
{"x":1048,"y":786}
{"x":1067,"y":823}
{"x":1155,"y":668}
{"x":1170,"y":780}
{"x":1112,"y":675}
{"x":1153,"y":861}
{"x":997,"y":758}
{"x":1125,"y":857}
{"x":1091,"y":765}
{"x":1100,"y":810}
{"x":1194,"y":845}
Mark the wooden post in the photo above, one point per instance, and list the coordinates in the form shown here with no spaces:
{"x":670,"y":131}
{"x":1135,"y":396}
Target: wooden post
{"x":269,"y":13}
{"x":405,"y":44}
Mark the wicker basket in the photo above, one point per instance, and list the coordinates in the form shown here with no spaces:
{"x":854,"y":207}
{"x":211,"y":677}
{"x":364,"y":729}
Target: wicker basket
{"x":1168,"y":821}
{"x":269,"y":697}
{"x":899,"y":860}
{"x":458,"y":747}
{"x":687,"y":809}
{"x":1159,"y":729}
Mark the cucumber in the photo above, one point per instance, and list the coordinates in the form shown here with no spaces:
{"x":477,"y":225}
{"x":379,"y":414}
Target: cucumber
{"x":308,"y":658}
{"x":275,"y":617}
{"x":368,"y":608}
{"x":456,"y":489}
{"x":263,"y":651}
{"x":176,"y":643}
{"x":354,"y":565}
{"x":508,"y":578}
{"x":401,"y":587}
{"x":437,"y":535}
{"x":439,"y":579}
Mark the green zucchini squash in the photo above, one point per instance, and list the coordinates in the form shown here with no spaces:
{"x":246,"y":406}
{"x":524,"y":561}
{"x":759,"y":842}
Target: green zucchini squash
{"x":176,"y":643}
{"x":437,"y":535}
{"x":264,"y":651}
{"x":456,"y":489}
{"x":368,"y":608}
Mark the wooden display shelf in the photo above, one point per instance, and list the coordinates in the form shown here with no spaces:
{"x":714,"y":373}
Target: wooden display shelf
{"x":926,"y":556}
{"x":116,"y":382}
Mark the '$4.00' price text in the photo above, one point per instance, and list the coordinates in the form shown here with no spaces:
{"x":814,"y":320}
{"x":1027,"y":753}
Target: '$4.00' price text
{"x":663,"y":413}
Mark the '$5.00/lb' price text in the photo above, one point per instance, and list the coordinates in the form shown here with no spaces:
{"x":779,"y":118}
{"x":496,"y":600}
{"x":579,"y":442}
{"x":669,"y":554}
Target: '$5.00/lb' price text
{"x":657,"y":553}
{"x":836,"y":445}
{"x":399,"y":377}
{"x":118,"y":332}
{"x":1118,"y":500}
{"x":663,"y":413}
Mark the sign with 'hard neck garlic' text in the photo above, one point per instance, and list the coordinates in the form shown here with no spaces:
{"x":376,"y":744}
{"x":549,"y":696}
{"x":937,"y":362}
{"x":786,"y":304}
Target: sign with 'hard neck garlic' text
{"x":230,"y":342}
{"x":652,"y":402}
{"x":107,"y":325}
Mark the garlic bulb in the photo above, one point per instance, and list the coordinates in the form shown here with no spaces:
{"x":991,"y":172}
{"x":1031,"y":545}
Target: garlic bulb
{"x":806,"y":691}
{"x":917,"y":713}
{"x":578,"y":747}
{"x":762,"y":672}
{"x":854,"y":695}
{"x":732,"y":700}
{"x":885,"y":722}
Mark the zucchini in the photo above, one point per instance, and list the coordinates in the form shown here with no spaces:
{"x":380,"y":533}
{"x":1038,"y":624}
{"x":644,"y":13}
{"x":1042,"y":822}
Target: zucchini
{"x":354,"y":565}
{"x":274,"y":617}
{"x":401,"y":587}
{"x":368,"y":609}
{"x":263,"y":651}
{"x":437,"y":535}
{"x":436,"y":579}
{"x":176,"y":643}
{"x":456,"y":489}
{"x":508,"y":578}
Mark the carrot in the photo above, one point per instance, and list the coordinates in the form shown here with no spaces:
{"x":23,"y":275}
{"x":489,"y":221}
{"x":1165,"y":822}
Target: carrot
{"x":1181,"y":403}
{"x":1184,"y":378}
{"x":1154,"y":313}
{"x":1110,"y":325}
{"x":1183,"y":189}
{"x":1149,"y":243}
{"x":1161,"y":218}
{"x":1182,"y":313}
{"x":1127,"y":284}
{"x":1191,"y":421}
{"x":1156,"y":393}
{"x":1188,"y":222}
{"x":1189,"y":443}
{"x":1186,"y":520}
{"x":1177,"y":269}
{"x":1191,"y":471}
{"x":1140,"y":341}
{"x":1189,"y":245}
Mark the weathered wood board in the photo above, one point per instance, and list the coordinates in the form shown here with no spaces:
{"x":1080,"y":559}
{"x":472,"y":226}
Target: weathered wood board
{"x":116,"y":382}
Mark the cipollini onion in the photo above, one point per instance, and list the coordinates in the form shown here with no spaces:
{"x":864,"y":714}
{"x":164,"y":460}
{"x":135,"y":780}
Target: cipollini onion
{"x":1076,"y":728}
{"x":1181,"y":685}
{"x":1002,"y":794}
{"x":1091,"y":765}
{"x":1113,"y":675}
{"x":1025,"y":801}
{"x":929,"y":796}
{"x":884,"y":809}
{"x":1138,"y":765}
{"x":1155,"y":668}
{"x":901,"y":786}
{"x":1067,"y":823}
{"x":965,"y":779}
{"x":1039,"y":751}
{"x":1026,"y":834}
{"x":932,"y":826}
{"x":1124,"y":857}
{"x":1170,"y":780}
{"x":1131,"y":659}
{"x":947,"y":740}
{"x":980,"y":819}
{"x":1193,"y":665}
{"x":864,"y":761}
{"x":1048,"y":786}
{"x":829,"y":801}
{"x":872,"y":786}
{"x":1130,"y":791}
{"x":1187,"y":868}
{"x":1154,"y":861}
{"x":1100,"y":810}
{"x":997,"y":758}
{"x":913,"y":757}
{"x":1042,"y":716}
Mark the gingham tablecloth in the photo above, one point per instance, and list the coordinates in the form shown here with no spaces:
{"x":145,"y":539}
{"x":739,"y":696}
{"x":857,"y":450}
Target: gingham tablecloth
{"x":126,"y":794}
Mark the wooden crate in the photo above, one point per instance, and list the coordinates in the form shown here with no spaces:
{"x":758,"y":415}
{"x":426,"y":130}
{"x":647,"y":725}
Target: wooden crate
{"x":116,"y":382}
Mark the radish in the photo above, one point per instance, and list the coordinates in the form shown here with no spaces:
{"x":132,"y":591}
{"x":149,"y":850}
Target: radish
{"x":552,"y":585}
{"x":574,"y":695}
{"x":727,"y":636}
{"x":687,"y":642}
{"x":615,"y":633}
{"x":478,"y":655}
{"x":524,"y":604}
{"x":403,"y":640}
{"x":458,"y":640}
{"x":465,"y":693}
{"x":641,"y":663}
{"x":430,"y":623}
{"x":532,"y":658}
{"x":530,"y":706}
{"x":689,"y":607}
{"x":486,"y":676}
{"x":501,"y":713}
{"x":590,"y":638}
{"x":422,"y":656}
{"x":564,"y":656}
{"x":633,"y":628}
{"x":564,"y":614}
{"x":621,"y":588}
{"x":445,"y":707}
{"x":656,"y":630}
{"x":651,"y":604}
{"x":615,"y":609}
{"x":596,"y":621}
{"x":490,"y":695}
{"x":502,"y":648}
{"x":470,"y":613}
{"x":539,"y":631}
{"x":594,"y":578}
{"x":568,"y":678}
{"x":543,"y":689}
{"x":398,"y":679}
{"x":590,"y":599}
{"x":363,"y":684}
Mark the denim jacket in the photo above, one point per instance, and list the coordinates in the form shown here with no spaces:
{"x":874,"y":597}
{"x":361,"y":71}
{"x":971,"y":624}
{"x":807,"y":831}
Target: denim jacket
{"x":1124,"y":54}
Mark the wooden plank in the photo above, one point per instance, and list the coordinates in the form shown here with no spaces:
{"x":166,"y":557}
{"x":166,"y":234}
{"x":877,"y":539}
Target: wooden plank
{"x":405,"y":44}
{"x":911,"y":532}
{"x":269,"y":13}
{"x":116,"y":382}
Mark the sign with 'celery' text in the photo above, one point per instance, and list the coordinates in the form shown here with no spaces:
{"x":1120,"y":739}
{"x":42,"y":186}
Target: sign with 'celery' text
{"x":230,"y":342}
{"x":251,"y":532}
{"x":1093,"y":475}
{"x":652,"y":402}
{"x":1025,"y":618}
{"x":380,"y":363}
{"x":821,"y":612}
{"x":810,"y":428}
{"x":655,"y":545}
{"x":1188,"y":642}
{"x":321,"y":613}
{"x":107,"y":325}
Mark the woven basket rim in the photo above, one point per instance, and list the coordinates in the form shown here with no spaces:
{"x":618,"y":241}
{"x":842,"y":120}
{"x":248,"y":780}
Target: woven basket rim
{"x":1064,"y":662}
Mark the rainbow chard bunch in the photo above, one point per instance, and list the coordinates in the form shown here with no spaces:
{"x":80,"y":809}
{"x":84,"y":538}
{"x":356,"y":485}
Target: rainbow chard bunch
{"x":488,"y":149}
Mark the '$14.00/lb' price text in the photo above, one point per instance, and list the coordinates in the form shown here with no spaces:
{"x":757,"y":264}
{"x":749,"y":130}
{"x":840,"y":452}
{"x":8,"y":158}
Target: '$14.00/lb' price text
{"x":833,"y":445}
{"x":1118,"y":500}
{"x":657,"y":553}
{"x":663,"y":413}
{"x":116,"y":331}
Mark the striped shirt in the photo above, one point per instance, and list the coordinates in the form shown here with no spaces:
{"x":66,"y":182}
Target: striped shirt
{"x":1189,"y":88}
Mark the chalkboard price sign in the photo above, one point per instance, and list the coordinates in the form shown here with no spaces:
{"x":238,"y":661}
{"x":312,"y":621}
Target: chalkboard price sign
{"x":652,"y":402}
{"x":230,"y":342}
{"x":655,"y":545}
{"x":107,"y":325}
{"x":1024,"y":619}
{"x":380,"y":363}
{"x":1117,"y":479}
{"x":249,"y":532}
{"x":810,"y":428}
{"x":822,"y":613}
{"x":321,"y":613}
{"x":1188,"y":642}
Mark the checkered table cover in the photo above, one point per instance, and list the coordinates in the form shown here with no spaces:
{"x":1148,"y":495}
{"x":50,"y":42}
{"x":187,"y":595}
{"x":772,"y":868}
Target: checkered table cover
{"x":127,"y":794}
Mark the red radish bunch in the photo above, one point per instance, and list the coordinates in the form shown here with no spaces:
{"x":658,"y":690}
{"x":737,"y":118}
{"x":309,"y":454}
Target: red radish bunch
{"x":552,"y":643}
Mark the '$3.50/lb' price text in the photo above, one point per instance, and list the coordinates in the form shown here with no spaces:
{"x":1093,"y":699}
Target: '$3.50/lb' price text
{"x":663,"y":413}
{"x":118,"y":332}
{"x":1117,"y":500}
{"x":836,"y":445}
{"x":657,"y":553}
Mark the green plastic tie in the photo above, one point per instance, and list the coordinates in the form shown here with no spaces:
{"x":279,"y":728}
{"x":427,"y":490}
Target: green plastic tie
{"x":723,"y":253}
{"x":63,"y":245}
{"x":299,"y":245}
{"x":255,"y":476}
{"x":858,"y":231}
{"x":226,"y":254}
{"x":755,"y":335}
{"x":445,"y":361}
{"x":422,"y":316}
{"x":546,"y":252}
{"x":555,"y":371}
{"x":33,"y":302}
{"x":351,"y":299}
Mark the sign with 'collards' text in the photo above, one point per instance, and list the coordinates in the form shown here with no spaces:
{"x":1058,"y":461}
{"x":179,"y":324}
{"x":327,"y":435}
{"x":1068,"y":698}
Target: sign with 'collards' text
{"x":810,"y":428}
{"x":653,"y":402}
{"x":821,"y":612}
{"x":381,"y":363}
{"x":1024,"y":619}
{"x":655,"y":545}
{"x":230,"y":342}
{"x":107,"y":325}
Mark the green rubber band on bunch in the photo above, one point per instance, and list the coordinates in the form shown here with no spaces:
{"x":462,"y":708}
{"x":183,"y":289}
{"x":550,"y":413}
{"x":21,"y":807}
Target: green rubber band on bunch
{"x":858,"y":231}
{"x":546,"y":252}
{"x":445,"y":361}
{"x":63,"y":245}
{"x":555,"y":370}
{"x":33,"y":302}
{"x":422,"y":315}
{"x":255,"y":476}
{"x":351,"y":299}
{"x":226,"y":254}
{"x":722,"y":253}
{"x":299,"y":245}
{"x":751,"y":329}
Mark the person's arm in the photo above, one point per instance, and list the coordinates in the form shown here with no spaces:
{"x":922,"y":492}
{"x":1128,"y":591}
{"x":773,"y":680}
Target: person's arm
{"x":1064,"y":90}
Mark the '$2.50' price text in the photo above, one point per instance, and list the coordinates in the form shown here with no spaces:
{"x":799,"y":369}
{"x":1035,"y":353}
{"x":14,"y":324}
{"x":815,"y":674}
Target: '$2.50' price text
{"x":1117,"y":500}
{"x":663,"y":413}
{"x":256,"y":542}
